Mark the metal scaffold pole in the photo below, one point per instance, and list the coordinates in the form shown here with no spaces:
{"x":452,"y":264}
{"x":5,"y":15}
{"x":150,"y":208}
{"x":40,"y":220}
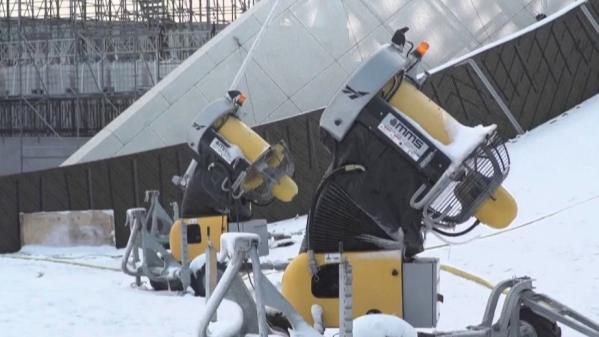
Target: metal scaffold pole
{"x":69,"y":67}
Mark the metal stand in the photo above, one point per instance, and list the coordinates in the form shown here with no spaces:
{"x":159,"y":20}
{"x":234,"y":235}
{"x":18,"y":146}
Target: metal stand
{"x":520,"y":293}
{"x":345,"y":298}
{"x":237,"y":247}
{"x":156,"y":263}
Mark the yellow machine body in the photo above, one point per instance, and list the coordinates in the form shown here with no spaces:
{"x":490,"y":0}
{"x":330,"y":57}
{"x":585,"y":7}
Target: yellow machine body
{"x":254,"y":147}
{"x":197,"y":234}
{"x":377,"y":285}
{"x":496,"y":212}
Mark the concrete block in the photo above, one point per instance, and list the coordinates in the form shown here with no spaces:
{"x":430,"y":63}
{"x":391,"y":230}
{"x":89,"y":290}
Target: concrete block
{"x":70,"y":228}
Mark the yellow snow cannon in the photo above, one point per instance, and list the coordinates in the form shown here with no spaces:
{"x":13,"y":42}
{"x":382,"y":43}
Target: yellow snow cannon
{"x":256,"y":150}
{"x":401,"y":166}
{"x":233,"y":167}
{"x":258,"y":171}
{"x":460,"y":168}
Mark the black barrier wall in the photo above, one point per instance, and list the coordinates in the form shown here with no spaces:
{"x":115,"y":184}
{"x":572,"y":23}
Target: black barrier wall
{"x":537,"y":76}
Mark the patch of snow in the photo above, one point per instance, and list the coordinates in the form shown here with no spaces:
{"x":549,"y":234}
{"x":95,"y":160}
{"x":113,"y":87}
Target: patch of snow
{"x":45,"y":299}
{"x":71,"y":252}
{"x":230,"y":242}
{"x":555,"y":180}
{"x":229,"y":320}
{"x":382,"y":325}
{"x":464,"y":139}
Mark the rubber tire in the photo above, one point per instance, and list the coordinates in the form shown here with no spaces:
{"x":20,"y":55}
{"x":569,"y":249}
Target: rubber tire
{"x":173,"y":285}
{"x":542,"y":326}
{"x":197,"y":279}
{"x":278,"y":322}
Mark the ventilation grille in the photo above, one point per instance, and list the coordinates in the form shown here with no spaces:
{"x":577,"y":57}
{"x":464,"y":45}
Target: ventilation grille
{"x":337,"y":219}
{"x":475,"y":181}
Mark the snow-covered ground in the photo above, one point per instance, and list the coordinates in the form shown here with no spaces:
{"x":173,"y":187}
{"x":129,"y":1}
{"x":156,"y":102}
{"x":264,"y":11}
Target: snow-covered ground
{"x":555,"y":240}
{"x":555,"y":179}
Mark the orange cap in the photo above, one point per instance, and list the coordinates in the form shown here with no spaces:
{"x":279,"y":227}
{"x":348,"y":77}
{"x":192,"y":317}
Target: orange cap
{"x":422,"y":48}
{"x":241,"y":99}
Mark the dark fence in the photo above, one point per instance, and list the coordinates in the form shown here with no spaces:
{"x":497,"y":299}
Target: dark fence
{"x":537,"y":75}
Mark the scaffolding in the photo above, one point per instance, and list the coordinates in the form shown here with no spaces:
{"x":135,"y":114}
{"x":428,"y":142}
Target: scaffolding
{"x":68,"y":67}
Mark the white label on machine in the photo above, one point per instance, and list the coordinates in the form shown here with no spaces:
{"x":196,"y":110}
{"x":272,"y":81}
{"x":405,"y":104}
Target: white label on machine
{"x":222,"y":150}
{"x":403,"y":137}
{"x":332,"y":258}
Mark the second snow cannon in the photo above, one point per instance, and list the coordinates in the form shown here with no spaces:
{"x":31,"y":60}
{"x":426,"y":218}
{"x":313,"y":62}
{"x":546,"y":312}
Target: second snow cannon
{"x":232,"y":168}
{"x":250,"y":166}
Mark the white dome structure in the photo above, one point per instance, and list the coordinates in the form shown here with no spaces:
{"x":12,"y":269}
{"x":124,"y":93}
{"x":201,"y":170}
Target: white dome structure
{"x":307,"y":51}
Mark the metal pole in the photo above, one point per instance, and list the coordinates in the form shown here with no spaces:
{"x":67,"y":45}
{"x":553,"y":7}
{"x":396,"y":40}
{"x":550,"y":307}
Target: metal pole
{"x":157,"y":62}
{"x":590,"y":17}
{"x":261,"y":310}
{"x":20,"y":66}
{"x":345,"y":297}
{"x":184,"y":273}
{"x":495,"y":94}
{"x":211,"y":272}
{"x":250,"y":53}
{"x":219,"y":293}
{"x":208,"y":18}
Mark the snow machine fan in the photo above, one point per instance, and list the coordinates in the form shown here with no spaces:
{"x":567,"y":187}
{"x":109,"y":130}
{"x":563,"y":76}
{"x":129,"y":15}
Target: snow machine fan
{"x":458,"y":195}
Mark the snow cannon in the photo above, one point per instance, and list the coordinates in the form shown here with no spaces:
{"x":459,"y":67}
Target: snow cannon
{"x":232,"y":168}
{"x":401,"y":166}
{"x":247,"y":165}
{"x":419,"y":165}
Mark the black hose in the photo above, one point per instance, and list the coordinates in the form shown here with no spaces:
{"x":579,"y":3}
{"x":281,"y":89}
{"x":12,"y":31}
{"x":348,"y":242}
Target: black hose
{"x":465,"y":231}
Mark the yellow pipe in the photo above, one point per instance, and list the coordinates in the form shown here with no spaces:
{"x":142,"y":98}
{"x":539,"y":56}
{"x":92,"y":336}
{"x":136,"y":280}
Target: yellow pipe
{"x":253,"y":147}
{"x":467,"y":276}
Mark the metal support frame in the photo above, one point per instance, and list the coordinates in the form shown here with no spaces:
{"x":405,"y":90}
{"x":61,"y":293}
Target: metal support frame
{"x":553,"y":310}
{"x":184,"y":273}
{"x":518,"y":292}
{"x":495,"y":94}
{"x":345,"y":297}
{"x":259,"y":278}
{"x":47,"y":61}
{"x":157,"y":263}
{"x":211,"y":273}
{"x":241,"y":246}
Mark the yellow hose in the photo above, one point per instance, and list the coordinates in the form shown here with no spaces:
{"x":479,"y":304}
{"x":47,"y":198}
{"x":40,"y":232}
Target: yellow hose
{"x":467,"y":276}
{"x":71,"y":263}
